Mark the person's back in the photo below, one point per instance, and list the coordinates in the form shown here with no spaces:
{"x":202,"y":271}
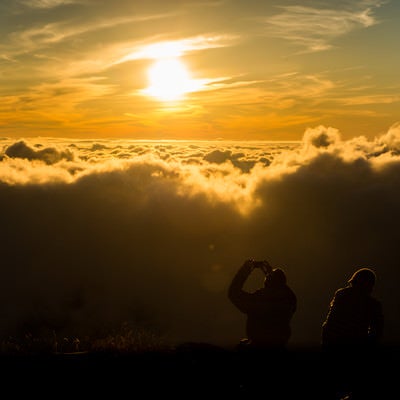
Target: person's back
{"x":269,"y":310}
{"x":352,"y":329}
{"x":269,"y":316}
{"x":351,"y":319}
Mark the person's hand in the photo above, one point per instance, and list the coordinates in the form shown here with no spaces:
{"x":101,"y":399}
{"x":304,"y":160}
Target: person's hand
{"x":266,"y":266}
{"x":249,"y":264}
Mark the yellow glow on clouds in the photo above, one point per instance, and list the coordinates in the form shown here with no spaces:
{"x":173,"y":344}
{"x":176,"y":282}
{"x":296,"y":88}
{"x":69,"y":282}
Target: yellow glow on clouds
{"x":225,"y":172}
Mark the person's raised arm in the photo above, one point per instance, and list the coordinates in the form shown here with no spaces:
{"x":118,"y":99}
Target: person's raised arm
{"x":235,"y":292}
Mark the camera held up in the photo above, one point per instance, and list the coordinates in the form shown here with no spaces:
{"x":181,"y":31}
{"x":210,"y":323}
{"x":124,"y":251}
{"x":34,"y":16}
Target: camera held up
{"x":263,"y":265}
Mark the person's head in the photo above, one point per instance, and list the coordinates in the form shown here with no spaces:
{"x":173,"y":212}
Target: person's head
{"x":363,"y":278}
{"x":276,"y":278}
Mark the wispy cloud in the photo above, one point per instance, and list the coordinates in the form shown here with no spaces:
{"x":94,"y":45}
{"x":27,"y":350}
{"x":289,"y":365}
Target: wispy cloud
{"x":44,"y":35}
{"x":297,"y":85}
{"x":177,"y":48}
{"x":372,"y":99}
{"x":48,"y":3}
{"x":37,"y":102}
{"x":315,"y":28}
{"x":278,"y":92}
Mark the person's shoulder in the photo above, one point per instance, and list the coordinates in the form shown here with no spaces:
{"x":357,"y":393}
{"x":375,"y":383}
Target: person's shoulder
{"x":343,"y":291}
{"x":289,"y":291}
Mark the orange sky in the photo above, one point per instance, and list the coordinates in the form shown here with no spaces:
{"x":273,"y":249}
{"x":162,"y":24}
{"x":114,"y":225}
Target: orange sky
{"x":245,"y":70}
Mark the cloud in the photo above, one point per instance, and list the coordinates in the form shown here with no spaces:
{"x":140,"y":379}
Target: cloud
{"x":321,"y":136}
{"x":372,"y":99}
{"x":315,"y":28}
{"x":391,"y":140}
{"x":47,"y":35}
{"x":178,"y":48}
{"x":37,"y":102}
{"x":239,"y":160}
{"x":48,"y":3}
{"x":49,"y":155}
{"x":294,"y":86}
{"x":152,"y":232}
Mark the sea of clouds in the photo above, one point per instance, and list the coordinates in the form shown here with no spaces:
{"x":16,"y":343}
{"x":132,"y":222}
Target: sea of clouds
{"x":98,"y":232}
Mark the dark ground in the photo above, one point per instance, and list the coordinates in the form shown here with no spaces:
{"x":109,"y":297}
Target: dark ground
{"x":199,"y":369}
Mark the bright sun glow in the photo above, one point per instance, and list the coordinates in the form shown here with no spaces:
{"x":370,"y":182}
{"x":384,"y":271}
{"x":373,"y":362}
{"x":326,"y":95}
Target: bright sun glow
{"x":169,"y":80}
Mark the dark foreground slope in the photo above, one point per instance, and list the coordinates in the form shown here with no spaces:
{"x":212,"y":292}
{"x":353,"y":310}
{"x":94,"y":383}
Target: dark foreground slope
{"x":196,"y":369}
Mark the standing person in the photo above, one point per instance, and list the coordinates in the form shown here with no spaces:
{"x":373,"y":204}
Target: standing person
{"x":269,"y":309}
{"x":351,"y":331}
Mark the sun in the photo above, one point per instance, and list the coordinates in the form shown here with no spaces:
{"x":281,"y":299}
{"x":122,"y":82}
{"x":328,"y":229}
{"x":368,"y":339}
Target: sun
{"x":169,"y":80}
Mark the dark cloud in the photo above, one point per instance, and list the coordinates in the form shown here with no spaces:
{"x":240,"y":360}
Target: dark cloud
{"x":239,"y":160}
{"x":145,"y":241}
{"x":218,"y":156}
{"x":49,"y":155}
{"x":321,"y":136}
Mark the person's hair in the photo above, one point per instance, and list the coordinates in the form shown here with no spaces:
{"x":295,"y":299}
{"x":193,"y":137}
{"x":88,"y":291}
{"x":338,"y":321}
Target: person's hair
{"x":363,"y":275}
{"x":278,"y":277}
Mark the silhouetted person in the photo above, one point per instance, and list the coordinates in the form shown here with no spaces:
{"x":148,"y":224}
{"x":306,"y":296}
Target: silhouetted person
{"x":354,"y":318}
{"x":350,"y":333}
{"x":269,"y":309}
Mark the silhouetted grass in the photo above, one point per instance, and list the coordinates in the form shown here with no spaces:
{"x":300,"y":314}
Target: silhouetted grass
{"x":125,"y":339}
{"x":131,"y":359}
